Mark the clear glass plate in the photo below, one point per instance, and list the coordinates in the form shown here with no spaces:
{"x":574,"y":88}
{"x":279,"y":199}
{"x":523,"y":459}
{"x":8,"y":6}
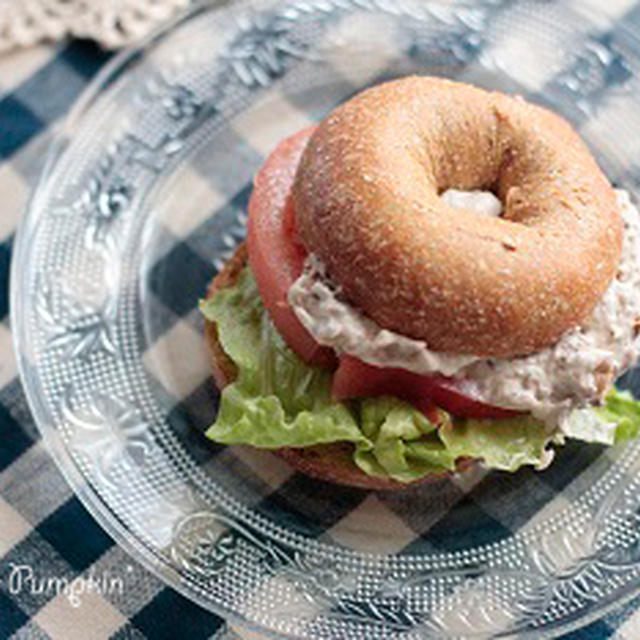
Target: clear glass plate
{"x":145,"y":194}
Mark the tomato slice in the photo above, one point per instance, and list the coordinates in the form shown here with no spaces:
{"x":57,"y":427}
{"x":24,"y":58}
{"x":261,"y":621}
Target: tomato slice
{"x":275,"y":256}
{"x":354,"y":378}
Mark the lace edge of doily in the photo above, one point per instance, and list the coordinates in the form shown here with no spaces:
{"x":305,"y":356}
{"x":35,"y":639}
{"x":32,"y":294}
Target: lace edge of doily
{"x":111,"y":30}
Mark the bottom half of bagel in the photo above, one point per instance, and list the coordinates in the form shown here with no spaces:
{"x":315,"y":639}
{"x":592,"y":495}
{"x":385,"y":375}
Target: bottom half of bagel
{"x":330,"y":462}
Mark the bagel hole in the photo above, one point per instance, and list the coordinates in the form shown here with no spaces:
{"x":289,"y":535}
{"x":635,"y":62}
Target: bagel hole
{"x":484,"y":201}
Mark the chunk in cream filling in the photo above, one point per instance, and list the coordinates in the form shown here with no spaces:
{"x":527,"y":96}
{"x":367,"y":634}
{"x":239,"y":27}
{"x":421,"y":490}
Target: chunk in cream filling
{"x":574,"y":372}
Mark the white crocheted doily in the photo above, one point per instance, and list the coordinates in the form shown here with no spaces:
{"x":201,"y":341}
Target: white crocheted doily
{"x":113,"y":23}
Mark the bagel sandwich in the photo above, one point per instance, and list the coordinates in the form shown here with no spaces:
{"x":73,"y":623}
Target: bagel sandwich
{"x":434,"y":276}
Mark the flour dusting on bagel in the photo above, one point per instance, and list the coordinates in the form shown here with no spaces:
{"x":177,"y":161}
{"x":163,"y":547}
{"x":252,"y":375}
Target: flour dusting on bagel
{"x":434,"y":275}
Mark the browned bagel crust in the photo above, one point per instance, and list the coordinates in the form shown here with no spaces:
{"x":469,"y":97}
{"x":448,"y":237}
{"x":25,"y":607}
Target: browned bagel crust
{"x":366,"y":202}
{"x":332,"y":462}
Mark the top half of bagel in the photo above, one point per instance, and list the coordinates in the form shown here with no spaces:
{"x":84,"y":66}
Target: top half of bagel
{"x":366,"y":199}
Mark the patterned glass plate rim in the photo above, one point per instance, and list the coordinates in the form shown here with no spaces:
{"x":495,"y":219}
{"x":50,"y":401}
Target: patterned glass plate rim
{"x":210,"y":534}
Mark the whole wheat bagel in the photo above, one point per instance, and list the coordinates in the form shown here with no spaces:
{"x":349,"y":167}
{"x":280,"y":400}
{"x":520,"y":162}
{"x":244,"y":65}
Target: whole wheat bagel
{"x":366,"y":199}
{"x":330,"y":462}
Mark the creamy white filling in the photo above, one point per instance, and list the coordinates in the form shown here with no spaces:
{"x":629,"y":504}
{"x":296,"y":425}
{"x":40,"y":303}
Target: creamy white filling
{"x":548,"y":384}
{"x":483,"y":202}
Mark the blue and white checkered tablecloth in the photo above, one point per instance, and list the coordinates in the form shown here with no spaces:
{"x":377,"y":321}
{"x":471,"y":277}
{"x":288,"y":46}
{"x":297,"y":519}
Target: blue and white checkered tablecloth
{"x":43,"y":527}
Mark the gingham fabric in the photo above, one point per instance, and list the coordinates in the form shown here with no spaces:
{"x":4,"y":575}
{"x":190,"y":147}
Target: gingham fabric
{"x":44,"y":526}
{"x":41,"y":523}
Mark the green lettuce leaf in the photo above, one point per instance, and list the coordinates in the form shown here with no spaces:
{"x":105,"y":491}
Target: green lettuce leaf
{"x":616,"y":421}
{"x":505,"y":444}
{"x":279,"y":401}
{"x":402,"y":443}
{"x":276,"y":401}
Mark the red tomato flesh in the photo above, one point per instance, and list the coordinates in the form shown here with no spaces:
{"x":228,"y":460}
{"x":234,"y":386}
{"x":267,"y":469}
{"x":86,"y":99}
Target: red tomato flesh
{"x":354,"y":378}
{"x":276,"y":260}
